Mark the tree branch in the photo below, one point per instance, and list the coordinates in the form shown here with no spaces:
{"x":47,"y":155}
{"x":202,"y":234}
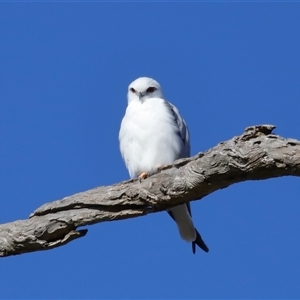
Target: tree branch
{"x":256,"y":154}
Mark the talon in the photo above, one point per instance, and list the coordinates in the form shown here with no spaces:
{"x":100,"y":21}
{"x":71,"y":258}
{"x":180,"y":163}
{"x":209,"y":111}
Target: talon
{"x":159,"y":168}
{"x":143,"y":176}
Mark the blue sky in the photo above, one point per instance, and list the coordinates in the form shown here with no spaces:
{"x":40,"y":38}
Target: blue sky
{"x":64,"y":72}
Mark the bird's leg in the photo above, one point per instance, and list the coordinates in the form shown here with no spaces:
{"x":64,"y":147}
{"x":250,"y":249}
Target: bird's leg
{"x":142,"y":176}
{"x":159,"y":168}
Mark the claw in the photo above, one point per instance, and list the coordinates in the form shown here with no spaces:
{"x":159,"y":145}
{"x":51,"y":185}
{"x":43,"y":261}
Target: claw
{"x":143,"y":176}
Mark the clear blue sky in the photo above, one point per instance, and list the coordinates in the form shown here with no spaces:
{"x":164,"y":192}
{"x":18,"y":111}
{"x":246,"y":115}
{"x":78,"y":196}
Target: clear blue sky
{"x":64,"y":72}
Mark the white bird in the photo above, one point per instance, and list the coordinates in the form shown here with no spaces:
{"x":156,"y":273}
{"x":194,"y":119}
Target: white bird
{"x":154,"y":134}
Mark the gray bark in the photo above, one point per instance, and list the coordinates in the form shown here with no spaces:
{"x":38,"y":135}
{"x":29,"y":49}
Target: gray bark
{"x":256,"y":154}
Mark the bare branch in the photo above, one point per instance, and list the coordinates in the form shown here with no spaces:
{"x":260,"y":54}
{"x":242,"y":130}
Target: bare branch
{"x":256,"y":154}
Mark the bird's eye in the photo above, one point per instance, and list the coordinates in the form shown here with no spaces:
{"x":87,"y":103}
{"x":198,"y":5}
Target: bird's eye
{"x":132,"y":90}
{"x":150,"y":89}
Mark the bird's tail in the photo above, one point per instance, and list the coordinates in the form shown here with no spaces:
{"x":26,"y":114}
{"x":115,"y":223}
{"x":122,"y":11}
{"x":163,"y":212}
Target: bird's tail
{"x":199,"y":242}
{"x":181,"y":214}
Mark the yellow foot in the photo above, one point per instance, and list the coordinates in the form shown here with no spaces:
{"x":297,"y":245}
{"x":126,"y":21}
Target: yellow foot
{"x":143,"y":176}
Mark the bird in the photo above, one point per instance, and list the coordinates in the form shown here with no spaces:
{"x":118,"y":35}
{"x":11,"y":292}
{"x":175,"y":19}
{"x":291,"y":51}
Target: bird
{"x":154,"y":134}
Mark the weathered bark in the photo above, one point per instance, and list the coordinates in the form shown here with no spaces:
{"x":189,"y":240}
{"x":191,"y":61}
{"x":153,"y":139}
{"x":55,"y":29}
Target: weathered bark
{"x":256,"y":154}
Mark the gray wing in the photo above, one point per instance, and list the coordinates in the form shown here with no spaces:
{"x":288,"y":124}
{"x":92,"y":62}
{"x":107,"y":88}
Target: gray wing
{"x":183,"y":130}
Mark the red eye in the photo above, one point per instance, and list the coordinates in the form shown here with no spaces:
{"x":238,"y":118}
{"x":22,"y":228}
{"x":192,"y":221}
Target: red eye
{"x":132,"y":90}
{"x":150,"y":89}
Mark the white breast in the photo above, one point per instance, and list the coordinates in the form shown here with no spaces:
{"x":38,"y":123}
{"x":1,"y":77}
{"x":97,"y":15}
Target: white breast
{"x":149,"y":136}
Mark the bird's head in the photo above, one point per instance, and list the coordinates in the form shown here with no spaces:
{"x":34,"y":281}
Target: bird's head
{"x":144,"y":88}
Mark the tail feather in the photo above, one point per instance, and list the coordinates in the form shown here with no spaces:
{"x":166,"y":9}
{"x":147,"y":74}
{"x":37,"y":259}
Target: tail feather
{"x":199,"y":242}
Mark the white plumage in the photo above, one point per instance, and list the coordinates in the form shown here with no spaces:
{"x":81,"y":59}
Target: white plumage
{"x":153,"y":134}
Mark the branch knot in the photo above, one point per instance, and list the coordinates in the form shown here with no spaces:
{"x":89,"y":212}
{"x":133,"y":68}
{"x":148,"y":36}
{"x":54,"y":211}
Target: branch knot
{"x":256,"y":131}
